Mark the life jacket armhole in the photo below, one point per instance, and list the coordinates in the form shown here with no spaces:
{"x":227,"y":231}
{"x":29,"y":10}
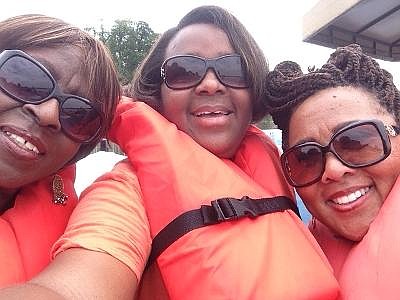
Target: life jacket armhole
{"x":220,"y":210}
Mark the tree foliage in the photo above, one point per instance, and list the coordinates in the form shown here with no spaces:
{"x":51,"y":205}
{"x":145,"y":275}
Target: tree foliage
{"x":266,"y":123}
{"x":128,"y":42}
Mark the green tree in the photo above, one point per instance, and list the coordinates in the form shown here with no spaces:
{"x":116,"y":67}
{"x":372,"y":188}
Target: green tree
{"x":266,"y":123}
{"x":129,"y":42}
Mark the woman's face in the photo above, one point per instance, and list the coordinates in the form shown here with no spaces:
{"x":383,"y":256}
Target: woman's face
{"x":32,"y":144}
{"x":316,"y":120}
{"x":214,"y":115}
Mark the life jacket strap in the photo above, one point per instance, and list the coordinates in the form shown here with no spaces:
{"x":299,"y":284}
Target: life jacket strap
{"x":220,"y":210}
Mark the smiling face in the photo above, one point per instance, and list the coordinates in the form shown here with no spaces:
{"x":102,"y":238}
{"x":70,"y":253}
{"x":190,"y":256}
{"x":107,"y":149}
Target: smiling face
{"x":32,"y":144}
{"x":214,"y":115}
{"x":346,"y":200}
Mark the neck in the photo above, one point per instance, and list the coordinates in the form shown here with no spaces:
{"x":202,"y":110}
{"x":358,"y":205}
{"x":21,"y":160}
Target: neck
{"x":7,"y":197}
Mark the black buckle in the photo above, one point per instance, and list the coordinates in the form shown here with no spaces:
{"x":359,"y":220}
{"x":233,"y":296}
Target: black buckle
{"x":231,"y":209}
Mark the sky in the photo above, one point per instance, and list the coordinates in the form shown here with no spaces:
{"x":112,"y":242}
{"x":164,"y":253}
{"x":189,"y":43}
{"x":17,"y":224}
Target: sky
{"x":276,"y":25}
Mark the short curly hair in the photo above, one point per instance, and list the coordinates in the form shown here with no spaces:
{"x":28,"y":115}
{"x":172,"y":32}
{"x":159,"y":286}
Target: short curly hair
{"x":287,"y":86}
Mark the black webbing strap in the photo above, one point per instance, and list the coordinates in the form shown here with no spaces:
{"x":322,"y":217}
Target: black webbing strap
{"x":220,"y":210}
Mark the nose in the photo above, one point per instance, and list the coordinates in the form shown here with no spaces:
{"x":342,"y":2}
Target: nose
{"x":335,"y":170}
{"x":46,"y":113}
{"x":210,"y":84}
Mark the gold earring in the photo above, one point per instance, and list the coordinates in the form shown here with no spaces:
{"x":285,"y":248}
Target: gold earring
{"x":59,"y":197}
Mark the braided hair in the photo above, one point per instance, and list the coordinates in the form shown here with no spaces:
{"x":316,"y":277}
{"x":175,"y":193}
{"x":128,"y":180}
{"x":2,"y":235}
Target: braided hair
{"x":287,"y":86}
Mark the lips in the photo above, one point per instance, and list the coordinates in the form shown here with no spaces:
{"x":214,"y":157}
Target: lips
{"x":350,"y":197}
{"x":211,"y":111}
{"x":25,"y":141}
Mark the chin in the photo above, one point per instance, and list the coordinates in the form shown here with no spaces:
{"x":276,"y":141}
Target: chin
{"x":223,"y":154}
{"x":355,"y":236}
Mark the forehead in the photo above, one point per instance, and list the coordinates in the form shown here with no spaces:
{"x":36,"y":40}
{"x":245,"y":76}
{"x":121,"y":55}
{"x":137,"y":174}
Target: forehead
{"x":319,"y":115}
{"x":204,"y":40}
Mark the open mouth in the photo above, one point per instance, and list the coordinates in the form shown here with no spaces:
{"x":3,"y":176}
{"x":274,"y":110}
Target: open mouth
{"x":212,"y":114}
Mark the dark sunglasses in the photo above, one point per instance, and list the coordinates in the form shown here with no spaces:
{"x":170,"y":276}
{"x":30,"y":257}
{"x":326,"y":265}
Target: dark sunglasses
{"x":27,"y":81}
{"x":186,"y":71}
{"x":357,"y":145}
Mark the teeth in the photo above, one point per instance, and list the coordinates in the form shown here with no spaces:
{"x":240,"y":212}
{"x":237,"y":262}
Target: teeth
{"x":351,"y":197}
{"x":22,"y":142}
{"x":19,"y":139}
{"x":31,"y":147}
{"x":221,"y":112}
{"x":212,"y":113}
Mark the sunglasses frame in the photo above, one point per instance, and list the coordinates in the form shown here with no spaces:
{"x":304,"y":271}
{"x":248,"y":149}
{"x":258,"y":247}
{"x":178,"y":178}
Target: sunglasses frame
{"x":55,"y":93}
{"x":383,"y":130}
{"x":210,"y":63}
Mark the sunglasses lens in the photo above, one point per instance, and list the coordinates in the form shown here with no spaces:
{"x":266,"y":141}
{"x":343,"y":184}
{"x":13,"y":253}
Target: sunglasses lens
{"x":79,"y":119}
{"x":183,"y":72}
{"x":303,"y":164}
{"x":24,"y":80}
{"x":231,"y":71}
{"x":359,"y":146}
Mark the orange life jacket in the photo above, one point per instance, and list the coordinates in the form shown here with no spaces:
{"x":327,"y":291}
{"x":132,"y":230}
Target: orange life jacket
{"x":269,"y":257}
{"x":29,"y":229}
{"x":369,"y":269}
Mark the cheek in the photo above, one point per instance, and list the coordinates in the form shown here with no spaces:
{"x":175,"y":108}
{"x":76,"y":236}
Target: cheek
{"x":245,"y":98}
{"x":168,"y":102}
{"x":310,"y":197}
{"x":386,"y":172}
{"x":7,"y":105}
{"x":244,"y":103}
{"x":385,"y":175}
{"x":69,"y":150}
{"x":59,"y":157}
{"x":174,"y":107}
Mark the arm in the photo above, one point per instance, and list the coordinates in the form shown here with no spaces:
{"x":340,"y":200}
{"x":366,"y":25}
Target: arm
{"x":103,"y":252}
{"x":78,"y":274}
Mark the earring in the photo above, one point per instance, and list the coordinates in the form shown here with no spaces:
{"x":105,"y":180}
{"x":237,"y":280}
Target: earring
{"x":313,"y":223}
{"x":59,"y":197}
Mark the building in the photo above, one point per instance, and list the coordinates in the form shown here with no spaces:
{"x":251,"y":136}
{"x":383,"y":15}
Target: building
{"x":373,"y":24}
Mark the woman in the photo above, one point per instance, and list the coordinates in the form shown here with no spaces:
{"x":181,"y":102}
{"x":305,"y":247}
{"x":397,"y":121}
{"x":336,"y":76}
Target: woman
{"x":341,"y":152}
{"x":58,"y":93}
{"x":202,"y":170}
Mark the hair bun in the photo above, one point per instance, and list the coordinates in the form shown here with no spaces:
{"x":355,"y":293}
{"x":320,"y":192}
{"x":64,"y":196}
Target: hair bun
{"x":289,"y":69}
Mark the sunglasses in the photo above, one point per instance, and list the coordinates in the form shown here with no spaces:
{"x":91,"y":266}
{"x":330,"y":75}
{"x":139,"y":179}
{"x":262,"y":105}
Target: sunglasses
{"x":357,"y":145}
{"x":27,"y":81}
{"x":186,"y":71}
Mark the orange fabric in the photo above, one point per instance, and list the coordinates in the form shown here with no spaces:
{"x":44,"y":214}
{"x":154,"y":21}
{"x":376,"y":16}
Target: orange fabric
{"x":270,"y":257}
{"x":110,"y":218}
{"x":369,"y":269}
{"x":29,"y":229}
